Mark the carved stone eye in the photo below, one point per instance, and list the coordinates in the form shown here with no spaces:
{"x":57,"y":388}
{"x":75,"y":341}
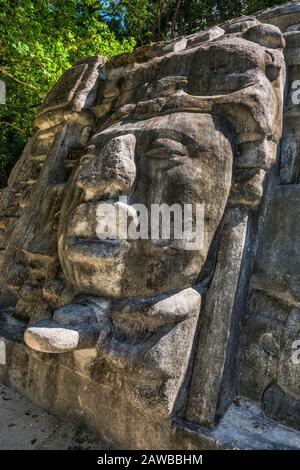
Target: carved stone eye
{"x":164,"y":148}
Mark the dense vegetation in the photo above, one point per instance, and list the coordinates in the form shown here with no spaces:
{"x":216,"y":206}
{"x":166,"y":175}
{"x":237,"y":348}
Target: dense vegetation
{"x":39,"y":39}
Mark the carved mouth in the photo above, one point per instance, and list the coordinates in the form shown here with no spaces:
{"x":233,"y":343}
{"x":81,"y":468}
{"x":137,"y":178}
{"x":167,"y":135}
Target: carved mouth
{"x":91,"y":251}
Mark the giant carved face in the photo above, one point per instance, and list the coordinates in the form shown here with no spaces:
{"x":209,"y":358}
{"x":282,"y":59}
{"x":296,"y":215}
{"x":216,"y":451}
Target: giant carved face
{"x":179,"y":158}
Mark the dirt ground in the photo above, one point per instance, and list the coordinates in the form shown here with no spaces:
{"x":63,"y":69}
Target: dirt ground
{"x":24,"y":426}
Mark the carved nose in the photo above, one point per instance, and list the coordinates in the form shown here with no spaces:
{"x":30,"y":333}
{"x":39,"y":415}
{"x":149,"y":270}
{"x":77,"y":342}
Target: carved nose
{"x":109,"y":172}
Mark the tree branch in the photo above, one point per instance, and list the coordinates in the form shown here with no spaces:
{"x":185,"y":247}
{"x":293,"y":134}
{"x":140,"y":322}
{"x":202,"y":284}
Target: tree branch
{"x":159,"y":9}
{"x":12,"y":125}
{"x":3,"y":70}
{"x":174,"y":20}
{"x":83,"y":41}
{"x":113,"y":10}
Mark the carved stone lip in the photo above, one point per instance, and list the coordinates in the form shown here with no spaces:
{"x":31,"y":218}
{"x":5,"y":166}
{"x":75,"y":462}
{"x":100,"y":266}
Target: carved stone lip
{"x":52,"y":337}
{"x":89,"y":251}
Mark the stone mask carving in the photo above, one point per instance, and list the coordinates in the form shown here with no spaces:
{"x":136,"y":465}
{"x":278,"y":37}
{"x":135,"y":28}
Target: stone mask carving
{"x":168,"y":159}
{"x":195,"y":121}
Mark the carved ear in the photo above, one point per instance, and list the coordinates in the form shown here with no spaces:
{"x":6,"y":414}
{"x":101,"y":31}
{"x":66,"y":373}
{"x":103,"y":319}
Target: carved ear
{"x":73,"y":93}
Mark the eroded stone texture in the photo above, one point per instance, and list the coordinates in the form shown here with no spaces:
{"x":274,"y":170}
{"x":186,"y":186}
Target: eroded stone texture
{"x":208,"y":395}
{"x":271,"y":330}
{"x":134,"y":335}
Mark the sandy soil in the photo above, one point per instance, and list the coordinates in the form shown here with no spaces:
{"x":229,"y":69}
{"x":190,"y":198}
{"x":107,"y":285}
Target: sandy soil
{"x":25,"y":426}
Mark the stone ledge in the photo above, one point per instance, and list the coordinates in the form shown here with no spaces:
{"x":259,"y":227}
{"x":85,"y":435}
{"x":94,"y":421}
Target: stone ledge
{"x":244,"y":427}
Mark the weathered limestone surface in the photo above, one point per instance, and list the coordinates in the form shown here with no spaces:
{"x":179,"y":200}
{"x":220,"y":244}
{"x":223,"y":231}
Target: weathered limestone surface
{"x":146,"y":341}
{"x":209,"y":397}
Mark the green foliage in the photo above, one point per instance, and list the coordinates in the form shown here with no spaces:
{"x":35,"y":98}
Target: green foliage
{"x":39,"y":40}
{"x":149,"y":20}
